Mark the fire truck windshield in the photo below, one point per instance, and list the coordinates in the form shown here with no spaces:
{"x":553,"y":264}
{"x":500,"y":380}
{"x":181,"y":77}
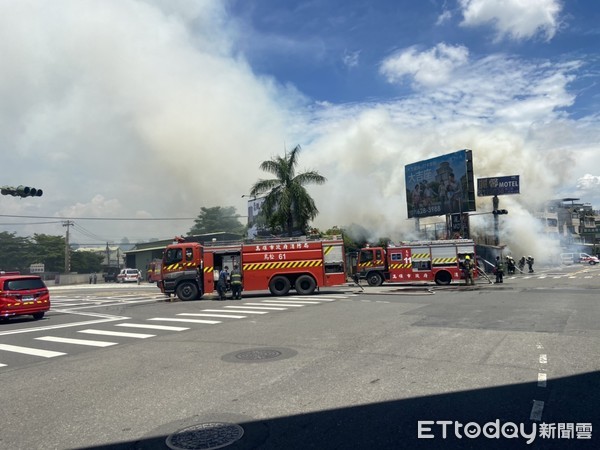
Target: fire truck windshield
{"x":366,"y":256}
{"x":173,"y":255}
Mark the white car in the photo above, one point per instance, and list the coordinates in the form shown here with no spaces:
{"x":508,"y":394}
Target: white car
{"x":588,"y":259}
{"x":129,"y":276}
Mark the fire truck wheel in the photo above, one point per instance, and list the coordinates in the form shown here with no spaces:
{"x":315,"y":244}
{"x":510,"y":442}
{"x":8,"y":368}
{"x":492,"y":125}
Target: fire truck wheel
{"x":443,"y":278}
{"x":187,"y":291}
{"x":375,"y":279}
{"x":279,"y":285}
{"x":305,"y":285}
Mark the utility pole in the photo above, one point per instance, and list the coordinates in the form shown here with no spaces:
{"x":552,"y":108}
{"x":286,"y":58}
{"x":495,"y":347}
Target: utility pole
{"x":67,"y":223}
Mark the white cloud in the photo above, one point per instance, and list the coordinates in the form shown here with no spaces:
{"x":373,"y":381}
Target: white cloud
{"x":444,"y":17}
{"x":428,"y":68}
{"x":350,"y":59}
{"x":588,"y":182}
{"x":514,"y":19}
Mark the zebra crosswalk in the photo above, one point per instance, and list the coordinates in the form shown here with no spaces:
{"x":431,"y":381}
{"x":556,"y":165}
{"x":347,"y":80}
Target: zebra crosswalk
{"x":151,"y":327}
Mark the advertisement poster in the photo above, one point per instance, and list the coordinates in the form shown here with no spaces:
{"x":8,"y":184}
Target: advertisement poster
{"x":442,"y":185}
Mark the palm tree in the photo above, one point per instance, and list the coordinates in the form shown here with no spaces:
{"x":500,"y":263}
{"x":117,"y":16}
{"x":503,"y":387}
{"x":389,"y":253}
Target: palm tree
{"x":286,"y":201}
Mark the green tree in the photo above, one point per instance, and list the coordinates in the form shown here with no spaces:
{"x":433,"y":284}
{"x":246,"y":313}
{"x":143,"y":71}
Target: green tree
{"x":15,"y":252}
{"x":217,"y":219}
{"x":287,"y":205}
{"x":84,"y":262}
{"x":50,"y":250}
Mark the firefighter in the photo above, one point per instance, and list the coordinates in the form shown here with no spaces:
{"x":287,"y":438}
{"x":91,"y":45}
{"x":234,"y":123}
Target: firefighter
{"x":510,"y":265}
{"x":468,"y":270}
{"x":521,"y":264}
{"x":236,"y":282}
{"x":222,"y":283}
{"x":530,"y":263}
{"x":499,"y":269}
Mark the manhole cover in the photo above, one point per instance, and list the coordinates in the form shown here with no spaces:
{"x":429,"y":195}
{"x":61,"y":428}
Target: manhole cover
{"x":261,"y":354}
{"x":205,"y":436}
{"x":255,"y":355}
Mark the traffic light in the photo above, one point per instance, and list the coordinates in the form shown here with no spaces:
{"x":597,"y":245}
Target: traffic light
{"x":498,"y":212}
{"x":21,"y":191}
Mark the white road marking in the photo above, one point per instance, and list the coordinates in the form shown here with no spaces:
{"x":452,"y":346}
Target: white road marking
{"x":303,"y":302}
{"x":236,"y":311}
{"x":536,"y":410}
{"x":65,"y":325}
{"x":257,"y":306}
{"x":76,"y":341}
{"x":117,"y":333}
{"x":172,"y":319}
{"x":543,"y":359}
{"x":2,"y":365}
{"x":229,"y":316}
{"x":541,"y":380}
{"x":293,"y":305}
{"x":30,"y":351}
{"x":313,"y":299}
{"x":151,"y":327}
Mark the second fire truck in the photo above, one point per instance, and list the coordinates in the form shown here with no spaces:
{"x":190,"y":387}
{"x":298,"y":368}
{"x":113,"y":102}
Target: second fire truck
{"x":418,"y":261}
{"x":304,"y":265}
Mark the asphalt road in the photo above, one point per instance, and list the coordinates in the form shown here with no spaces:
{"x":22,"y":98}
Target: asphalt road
{"x":118,"y":367}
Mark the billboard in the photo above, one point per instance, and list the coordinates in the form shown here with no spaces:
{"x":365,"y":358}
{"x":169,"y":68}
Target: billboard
{"x":255,"y":227}
{"x":498,"y":186}
{"x":442,"y":185}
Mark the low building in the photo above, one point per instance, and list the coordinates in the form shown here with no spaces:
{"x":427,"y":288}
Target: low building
{"x":572,"y":222}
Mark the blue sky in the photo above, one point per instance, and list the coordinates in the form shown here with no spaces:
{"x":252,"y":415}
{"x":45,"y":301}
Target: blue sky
{"x":333,"y":50}
{"x":156,"y":108}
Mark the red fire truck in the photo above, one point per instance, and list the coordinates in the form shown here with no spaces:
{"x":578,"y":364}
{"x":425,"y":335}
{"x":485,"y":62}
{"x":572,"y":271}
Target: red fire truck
{"x":153,"y":271}
{"x":418,"y":261}
{"x":189,"y":268}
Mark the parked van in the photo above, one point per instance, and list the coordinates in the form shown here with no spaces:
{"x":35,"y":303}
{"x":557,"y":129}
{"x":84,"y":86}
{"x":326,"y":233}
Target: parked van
{"x":583,"y":258}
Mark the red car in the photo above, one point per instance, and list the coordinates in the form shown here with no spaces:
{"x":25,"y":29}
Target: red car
{"x":23,"y":295}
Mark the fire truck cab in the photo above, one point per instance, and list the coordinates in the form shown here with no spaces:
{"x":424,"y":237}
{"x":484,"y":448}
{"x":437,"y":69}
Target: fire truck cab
{"x":413,"y":262}
{"x":189,"y":269}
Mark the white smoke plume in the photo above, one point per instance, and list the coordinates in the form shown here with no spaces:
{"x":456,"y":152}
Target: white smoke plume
{"x":148,"y":109}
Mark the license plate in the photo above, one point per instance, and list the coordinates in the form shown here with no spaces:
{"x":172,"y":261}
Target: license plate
{"x":27,"y":298}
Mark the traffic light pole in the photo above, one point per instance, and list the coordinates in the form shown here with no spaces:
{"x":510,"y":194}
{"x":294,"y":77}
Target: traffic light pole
{"x":495,"y":202}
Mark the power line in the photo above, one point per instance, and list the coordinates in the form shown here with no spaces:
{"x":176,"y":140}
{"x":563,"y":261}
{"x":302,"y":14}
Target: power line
{"x":28,"y":223}
{"x":86,"y":232}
